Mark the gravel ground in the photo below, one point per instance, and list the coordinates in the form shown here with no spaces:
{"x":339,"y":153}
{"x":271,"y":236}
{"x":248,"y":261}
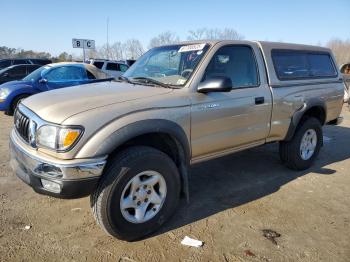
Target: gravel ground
{"x":233,"y":199}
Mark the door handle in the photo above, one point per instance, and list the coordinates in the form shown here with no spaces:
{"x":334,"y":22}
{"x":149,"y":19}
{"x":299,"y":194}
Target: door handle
{"x":259,"y":100}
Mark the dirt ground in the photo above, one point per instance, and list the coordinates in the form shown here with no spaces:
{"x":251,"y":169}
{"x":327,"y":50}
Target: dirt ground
{"x":232,"y":200}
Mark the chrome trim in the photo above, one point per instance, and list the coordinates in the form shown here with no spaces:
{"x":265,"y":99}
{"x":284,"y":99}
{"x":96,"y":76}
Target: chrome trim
{"x":25,"y":162}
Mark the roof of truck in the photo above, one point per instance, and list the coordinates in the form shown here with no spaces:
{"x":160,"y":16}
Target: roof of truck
{"x":262,"y":44}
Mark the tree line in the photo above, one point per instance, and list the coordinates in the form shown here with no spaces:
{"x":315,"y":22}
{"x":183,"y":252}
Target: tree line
{"x":133,"y":48}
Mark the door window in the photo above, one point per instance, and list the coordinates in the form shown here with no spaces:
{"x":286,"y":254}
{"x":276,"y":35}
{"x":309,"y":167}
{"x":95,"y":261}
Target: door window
{"x":17,"y":71}
{"x":123,"y":68}
{"x":99,"y":65}
{"x":235,"y":62}
{"x":66,"y":73}
{"x":112,"y":67}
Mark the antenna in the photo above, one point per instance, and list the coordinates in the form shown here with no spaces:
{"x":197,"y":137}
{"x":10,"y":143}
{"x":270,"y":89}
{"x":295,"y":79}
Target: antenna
{"x":107,"y":37}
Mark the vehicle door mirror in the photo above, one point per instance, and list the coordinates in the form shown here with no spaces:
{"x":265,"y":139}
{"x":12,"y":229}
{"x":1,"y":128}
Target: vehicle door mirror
{"x":215,"y":84}
{"x":43,"y":81}
{"x":6,"y":75}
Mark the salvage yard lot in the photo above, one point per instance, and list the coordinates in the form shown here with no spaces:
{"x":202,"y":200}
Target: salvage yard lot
{"x":232,"y":199}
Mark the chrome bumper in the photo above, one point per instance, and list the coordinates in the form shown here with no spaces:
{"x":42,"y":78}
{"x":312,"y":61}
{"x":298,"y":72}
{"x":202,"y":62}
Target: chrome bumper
{"x":76,"y":177}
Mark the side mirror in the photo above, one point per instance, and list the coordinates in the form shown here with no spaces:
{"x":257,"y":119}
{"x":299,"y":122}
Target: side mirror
{"x":215,"y":84}
{"x":6,"y":75}
{"x":43,"y":81}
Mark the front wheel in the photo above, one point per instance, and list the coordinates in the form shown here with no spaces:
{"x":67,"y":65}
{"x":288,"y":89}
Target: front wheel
{"x":16,"y":101}
{"x":301,"y":151}
{"x":139,"y":191}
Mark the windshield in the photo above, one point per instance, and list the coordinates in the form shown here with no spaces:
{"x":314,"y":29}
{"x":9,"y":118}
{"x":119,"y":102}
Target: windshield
{"x":36,"y":74}
{"x":170,"y":65}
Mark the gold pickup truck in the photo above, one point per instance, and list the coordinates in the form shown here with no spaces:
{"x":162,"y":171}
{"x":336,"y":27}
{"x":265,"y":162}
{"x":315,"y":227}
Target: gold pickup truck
{"x":129,"y":144}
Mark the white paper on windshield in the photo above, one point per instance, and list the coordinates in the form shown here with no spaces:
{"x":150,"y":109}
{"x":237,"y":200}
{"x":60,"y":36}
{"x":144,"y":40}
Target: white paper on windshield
{"x":188,"y":48}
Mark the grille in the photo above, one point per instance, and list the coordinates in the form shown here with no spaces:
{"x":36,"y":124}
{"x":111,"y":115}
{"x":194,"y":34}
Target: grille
{"x":22,"y":125}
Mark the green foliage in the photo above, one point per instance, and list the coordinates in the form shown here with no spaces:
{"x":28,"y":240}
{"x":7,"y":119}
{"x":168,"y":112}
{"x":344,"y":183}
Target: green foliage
{"x":7,"y":52}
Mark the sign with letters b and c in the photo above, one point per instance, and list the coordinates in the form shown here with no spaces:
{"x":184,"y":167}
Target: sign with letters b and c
{"x":83,"y":43}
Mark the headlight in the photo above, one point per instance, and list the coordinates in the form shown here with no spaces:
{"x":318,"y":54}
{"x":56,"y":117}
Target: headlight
{"x":4,"y":93}
{"x":57,"y":138}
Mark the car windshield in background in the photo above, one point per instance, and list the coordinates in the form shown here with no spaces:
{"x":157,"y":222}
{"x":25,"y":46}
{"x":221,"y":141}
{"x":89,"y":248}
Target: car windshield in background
{"x":35,"y":75}
{"x":170,"y":65}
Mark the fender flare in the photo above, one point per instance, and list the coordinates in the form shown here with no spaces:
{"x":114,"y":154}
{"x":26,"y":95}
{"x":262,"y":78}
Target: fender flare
{"x":144,"y":127}
{"x":297,"y":116}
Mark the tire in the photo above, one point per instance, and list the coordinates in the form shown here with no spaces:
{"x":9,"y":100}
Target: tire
{"x":122,"y":169}
{"x":15,"y":103}
{"x":290,"y":151}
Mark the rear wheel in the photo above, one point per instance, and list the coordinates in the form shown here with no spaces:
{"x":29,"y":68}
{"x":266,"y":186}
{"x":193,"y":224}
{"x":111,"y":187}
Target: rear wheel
{"x":301,"y":151}
{"x":139,"y":191}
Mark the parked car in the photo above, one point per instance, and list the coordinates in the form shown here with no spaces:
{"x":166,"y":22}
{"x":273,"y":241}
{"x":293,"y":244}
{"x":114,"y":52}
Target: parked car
{"x":129,"y":144}
{"x":345,"y":70}
{"x":28,"y":61}
{"x":48,"y":77}
{"x":112,"y":68}
{"x":16,"y":72}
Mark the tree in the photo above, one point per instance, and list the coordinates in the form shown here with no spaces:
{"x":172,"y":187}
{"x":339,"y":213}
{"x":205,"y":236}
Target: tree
{"x":164,"y":38}
{"x":133,"y":49}
{"x":63,"y":57}
{"x":7,"y":52}
{"x":214,"y":33}
{"x":341,"y":50}
{"x":116,"y":51}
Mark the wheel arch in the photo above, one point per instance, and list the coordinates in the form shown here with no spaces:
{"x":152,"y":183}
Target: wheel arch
{"x":164,"y":135}
{"x":313,"y":108}
{"x":14,"y":98}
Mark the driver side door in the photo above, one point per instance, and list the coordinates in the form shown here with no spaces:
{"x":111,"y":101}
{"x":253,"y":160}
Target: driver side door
{"x":224,"y":122}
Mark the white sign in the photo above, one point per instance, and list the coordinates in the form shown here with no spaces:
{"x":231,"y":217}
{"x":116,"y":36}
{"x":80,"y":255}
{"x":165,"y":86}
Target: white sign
{"x":188,"y":48}
{"x":83,"y":43}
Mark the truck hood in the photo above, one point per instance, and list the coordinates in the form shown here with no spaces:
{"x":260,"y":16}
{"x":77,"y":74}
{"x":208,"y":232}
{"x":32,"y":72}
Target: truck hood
{"x":57,"y":105}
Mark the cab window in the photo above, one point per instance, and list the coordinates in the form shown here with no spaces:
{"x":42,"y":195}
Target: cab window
{"x":235,"y":62}
{"x":299,"y":64}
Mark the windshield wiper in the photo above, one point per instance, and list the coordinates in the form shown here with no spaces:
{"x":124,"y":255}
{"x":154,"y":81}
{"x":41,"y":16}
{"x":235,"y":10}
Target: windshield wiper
{"x":151,"y":81}
{"x":125,"y":79}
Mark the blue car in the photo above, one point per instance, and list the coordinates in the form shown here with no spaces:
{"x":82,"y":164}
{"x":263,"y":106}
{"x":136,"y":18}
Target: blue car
{"x":47,"y":78}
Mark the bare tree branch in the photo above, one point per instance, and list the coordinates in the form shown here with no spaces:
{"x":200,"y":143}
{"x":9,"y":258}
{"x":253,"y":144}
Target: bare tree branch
{"x":164,"y":39}
{"x":214,"y":33}
{"x":341,"y":50}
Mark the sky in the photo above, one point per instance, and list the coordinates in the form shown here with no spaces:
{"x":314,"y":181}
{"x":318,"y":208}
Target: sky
{"x":50,"y":25}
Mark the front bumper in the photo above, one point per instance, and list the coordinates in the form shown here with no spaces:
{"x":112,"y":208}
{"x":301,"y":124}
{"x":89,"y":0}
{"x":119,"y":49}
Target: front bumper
{"x":3,"y":105}
{"x":76,"y":178}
